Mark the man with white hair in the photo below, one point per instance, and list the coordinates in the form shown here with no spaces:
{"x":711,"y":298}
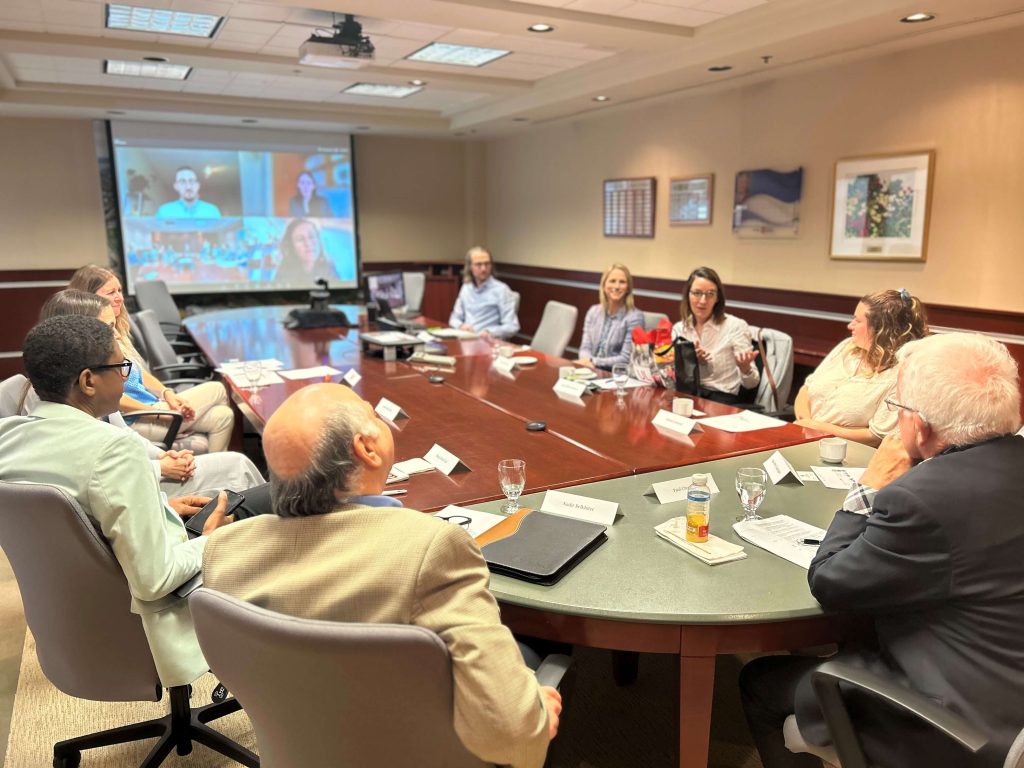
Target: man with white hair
{"x":931,"y":545}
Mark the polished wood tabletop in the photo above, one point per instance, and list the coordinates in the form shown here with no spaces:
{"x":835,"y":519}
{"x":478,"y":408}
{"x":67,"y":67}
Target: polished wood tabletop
{"x":617,"y":428}
{"x":476,"y":432}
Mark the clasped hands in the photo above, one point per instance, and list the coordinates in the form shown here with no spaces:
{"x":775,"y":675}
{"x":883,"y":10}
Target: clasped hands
{"x":177,"y":403}
{"x":177,"y":465}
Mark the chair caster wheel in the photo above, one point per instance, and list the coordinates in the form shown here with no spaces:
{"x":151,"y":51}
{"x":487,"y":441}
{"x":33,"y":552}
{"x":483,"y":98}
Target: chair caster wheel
{"x":70,"y":760}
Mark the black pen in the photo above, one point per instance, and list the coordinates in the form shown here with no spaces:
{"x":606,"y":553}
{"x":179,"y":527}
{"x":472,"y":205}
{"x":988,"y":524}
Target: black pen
{"x":812,"y":542}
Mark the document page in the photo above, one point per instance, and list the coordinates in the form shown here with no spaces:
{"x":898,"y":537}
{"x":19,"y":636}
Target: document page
{"x":744,"y":421}
{"x":782,"y":535}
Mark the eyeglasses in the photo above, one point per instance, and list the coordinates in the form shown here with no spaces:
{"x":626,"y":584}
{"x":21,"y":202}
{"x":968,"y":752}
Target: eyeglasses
{"x":461,"y":520}
{"x":703,"y":294}
{"x":894,"y":406}
{"x":125,"y":368}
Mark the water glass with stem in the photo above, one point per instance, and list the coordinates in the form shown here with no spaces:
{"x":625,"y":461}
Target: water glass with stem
{"x":512,"y":476}
{"x":751,"y":485}
{"x":620,"y":375}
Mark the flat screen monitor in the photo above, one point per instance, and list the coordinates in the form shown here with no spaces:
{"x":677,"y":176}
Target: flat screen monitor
{"x":209,"y":209}
{"x":388,"y":286}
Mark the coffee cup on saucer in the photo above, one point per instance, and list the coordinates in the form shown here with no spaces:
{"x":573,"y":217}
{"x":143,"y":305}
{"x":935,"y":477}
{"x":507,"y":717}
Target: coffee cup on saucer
{"x":682,"y":406}
{"x":832,"y":450}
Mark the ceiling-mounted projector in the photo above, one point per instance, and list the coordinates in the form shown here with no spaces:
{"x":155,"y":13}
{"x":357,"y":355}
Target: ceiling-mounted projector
{"x":344,"y":46}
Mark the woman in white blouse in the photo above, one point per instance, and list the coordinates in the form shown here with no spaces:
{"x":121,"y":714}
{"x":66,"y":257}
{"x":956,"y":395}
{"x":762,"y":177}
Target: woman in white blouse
{"x":724,"y":345}
{"x":846,"y":394}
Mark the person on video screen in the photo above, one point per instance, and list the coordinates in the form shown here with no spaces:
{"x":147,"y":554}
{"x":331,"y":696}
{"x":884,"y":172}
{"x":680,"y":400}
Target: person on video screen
{"x":302,"y":254}
{"x":307,"y":202}
{"x":188,"y":205}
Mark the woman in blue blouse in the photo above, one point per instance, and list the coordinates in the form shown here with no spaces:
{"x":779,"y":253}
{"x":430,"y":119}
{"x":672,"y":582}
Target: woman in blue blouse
{"x":608,"y":326}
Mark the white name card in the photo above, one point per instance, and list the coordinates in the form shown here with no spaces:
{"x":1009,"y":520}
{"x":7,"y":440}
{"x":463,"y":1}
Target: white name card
{"x":389,"y":410}
{"x":673,"y":422}
{"x":580,"y":507}
{"x":780,"y":470}
{"x":675,"y":490}
{"x":504,"y":364}
{"x":570,"y":388}
{"x":443,"y":461}
{"x":352,"y":377}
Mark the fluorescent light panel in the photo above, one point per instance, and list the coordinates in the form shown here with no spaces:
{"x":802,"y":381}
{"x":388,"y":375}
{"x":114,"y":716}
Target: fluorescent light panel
{"x":458,"y":55}
{"x":140,"y":19}
{"x":387,"y":91}
{"x":157,"y":69}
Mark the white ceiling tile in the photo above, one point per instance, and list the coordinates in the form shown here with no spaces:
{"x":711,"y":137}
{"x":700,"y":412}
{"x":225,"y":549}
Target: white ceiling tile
{"x":470,"y":37}
{"x":395,"y":47}
{"x":284,"y":52}
{"x":424,"y":32}
{"x":728,"y":7}
{"x":667,"y":14}
{"x":599,"y":6}
{"x":379,"y":26}
{"x":194,"y":42}
{"x":310,"y":17}
{"x":214,"y":7}
{"x":19,"y":13}
{"x":245,"y":26}
{"x":32,"y":75}
{"x":192,"y":86}
{"x":551,"y":3}
{"x":118,"y":34}
{"x":265,"y":11}
{"x":290,"y":34}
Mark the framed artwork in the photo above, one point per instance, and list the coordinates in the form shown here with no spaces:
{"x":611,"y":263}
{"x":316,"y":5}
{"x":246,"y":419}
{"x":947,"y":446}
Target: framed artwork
{"x":629,"y":207}
{"x":690,"y":200}
{"x":880,"y":207}
{"x":767,"y":203}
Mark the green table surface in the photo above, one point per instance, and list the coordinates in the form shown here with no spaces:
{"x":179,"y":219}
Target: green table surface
{"x":637,"y":576}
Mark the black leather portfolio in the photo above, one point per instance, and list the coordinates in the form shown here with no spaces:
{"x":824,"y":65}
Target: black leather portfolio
{"x":538,"y":547}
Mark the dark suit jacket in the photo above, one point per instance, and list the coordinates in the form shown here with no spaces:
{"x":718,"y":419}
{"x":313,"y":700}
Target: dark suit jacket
{"x":939,"y":563}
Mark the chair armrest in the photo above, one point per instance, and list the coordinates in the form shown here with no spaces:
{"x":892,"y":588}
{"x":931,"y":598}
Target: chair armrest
{"x":552,"y":669}
{"x":826,"y":681}
{"x":175,"y":419}
{"x":186,"y":368}
{"x":183,"y":384}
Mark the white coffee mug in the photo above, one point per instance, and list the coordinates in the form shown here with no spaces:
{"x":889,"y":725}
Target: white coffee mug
{"x":832,"y":450}
{"x":566,"y":371}
{"x":507,"y":351}
{"x":682,"y":406}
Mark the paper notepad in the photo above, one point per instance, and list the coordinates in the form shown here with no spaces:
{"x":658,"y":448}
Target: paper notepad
{"x":714,"y":551}
{"x":782,"y":535}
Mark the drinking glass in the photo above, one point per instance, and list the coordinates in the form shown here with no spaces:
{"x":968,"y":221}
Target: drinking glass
{"x":620,"y":375}
{"x":253,"y":371}
{"x":512,"y":476}
{"x":751,"y":485}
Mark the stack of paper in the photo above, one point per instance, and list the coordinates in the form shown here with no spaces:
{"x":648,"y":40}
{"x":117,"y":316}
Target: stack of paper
{"x":714,"y":551}
{"x":783,"y":536}
{"x":401,"y":470}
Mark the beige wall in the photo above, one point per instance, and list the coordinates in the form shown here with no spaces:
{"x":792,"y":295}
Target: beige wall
{"x":963,"y":99}
{"x":51,"y":216}
{"x":418,"y":199}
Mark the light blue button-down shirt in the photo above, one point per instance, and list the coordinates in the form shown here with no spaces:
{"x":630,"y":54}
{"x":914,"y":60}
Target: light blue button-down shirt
{"x":179,"y":209}
{"x":489,"y":307}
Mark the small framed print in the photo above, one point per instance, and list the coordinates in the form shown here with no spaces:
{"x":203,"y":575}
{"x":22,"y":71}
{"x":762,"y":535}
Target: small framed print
{"x":881,"y":206}
{"x":629,"y":207}
{"x":690,"y":199}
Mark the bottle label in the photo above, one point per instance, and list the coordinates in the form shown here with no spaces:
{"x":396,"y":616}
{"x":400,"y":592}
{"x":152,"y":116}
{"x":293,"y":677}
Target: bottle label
{"x":696,"y":527}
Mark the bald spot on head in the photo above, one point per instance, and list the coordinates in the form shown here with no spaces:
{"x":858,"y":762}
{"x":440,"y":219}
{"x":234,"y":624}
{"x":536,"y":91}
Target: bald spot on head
{"x":291,"y":435}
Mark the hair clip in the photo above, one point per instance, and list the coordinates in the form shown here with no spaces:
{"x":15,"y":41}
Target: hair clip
{"x":905,"y":295}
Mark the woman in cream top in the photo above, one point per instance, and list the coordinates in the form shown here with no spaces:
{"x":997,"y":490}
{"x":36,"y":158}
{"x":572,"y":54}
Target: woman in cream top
{"x":846,"y":394}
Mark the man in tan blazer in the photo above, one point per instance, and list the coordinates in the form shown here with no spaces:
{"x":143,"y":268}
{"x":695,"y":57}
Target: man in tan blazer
{"x":336,"y":549}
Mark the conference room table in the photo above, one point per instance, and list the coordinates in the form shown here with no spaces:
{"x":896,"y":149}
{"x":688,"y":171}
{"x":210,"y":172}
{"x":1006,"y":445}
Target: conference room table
{"x":477,"y":413}
{"x":638,"y":592}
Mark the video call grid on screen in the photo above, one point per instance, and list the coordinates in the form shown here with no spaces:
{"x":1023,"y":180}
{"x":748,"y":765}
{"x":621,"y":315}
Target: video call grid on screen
{"x":209,"y":209}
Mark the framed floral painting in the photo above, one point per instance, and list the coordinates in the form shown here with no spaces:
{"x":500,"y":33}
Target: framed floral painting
{"x":880,"y":207}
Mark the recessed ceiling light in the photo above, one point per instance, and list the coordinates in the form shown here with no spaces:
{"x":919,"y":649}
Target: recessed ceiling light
{"x":379,"y":89}
{"x":601,"y":98}
{"x":541,"y":28}
{"x":159,"y":59}
{"x":720,"y":68}
{"x":419,"y":83}
{"x":249,"y":120}
{"x":914,"y":18}
{"x":146,"y":69}
{"x":165,"y":22}
{"x":457,"y":55}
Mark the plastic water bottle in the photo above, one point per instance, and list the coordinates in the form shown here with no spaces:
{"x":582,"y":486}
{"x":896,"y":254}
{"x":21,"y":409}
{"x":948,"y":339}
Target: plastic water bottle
{"x":698,"y":509}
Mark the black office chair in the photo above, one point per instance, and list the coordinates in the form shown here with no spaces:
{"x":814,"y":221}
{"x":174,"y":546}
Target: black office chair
{"x":833,"y":679}
{"x":89,"y":643}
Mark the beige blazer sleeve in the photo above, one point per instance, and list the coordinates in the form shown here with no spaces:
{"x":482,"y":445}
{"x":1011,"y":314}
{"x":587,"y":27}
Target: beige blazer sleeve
{"x":499,"y":715}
